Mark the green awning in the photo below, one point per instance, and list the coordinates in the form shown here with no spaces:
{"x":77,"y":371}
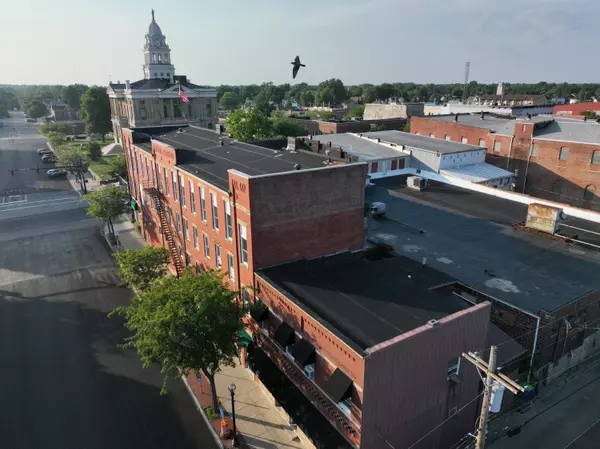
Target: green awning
{"x":133,"y":204}
{"x":243,"y":339}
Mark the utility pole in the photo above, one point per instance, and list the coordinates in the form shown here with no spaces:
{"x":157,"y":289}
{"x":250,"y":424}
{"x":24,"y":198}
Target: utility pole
{"x":490,"y":371}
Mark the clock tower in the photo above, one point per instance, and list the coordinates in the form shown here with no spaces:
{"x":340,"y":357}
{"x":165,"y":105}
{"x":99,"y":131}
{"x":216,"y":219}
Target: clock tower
{"x":157,"y":54}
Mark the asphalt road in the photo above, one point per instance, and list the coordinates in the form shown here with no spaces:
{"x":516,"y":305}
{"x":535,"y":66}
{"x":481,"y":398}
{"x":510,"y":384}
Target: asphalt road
{"x":64,"y":382}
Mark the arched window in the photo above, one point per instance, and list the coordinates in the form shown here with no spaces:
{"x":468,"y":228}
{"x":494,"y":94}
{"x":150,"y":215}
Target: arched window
{"x":589,"y":193}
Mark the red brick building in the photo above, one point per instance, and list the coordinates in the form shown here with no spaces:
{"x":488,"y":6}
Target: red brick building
{"x":576,"y":108}
{"x":348,"y":328}
{"x":348,"y":126}
{"x":555,"y":158}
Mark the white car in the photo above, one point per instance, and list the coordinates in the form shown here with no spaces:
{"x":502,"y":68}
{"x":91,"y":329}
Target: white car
{"x":55,"y":172}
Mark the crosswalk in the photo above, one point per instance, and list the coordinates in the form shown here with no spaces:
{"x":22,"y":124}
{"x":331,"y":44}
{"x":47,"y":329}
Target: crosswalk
{"x":20,"y":204}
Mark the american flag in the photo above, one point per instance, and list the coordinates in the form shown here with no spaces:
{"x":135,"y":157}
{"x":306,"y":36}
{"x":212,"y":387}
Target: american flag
{"x":183,"y":97}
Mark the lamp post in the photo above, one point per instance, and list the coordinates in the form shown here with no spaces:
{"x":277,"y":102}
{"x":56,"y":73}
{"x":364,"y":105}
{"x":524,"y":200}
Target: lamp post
{"x":232,"y":391}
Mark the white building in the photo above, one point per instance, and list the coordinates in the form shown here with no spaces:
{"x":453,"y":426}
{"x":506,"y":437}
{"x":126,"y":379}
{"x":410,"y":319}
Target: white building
{"x":154,"y":101}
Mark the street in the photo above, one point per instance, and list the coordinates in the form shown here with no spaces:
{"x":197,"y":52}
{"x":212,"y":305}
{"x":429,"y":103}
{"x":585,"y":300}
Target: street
{"x":64,"y":382}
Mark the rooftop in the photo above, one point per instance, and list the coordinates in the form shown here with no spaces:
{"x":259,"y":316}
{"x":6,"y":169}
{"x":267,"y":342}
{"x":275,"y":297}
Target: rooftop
{"x":570,"y":130}
{"x":353,"y":144}
{"x":157,"y":84}
{"x":365,"y":302}
{"x":199,"y":152}
{"x":477,"y":172}
{"x":497,"y":124}
{"x":425,"y":143}
{"x":468,"y":236}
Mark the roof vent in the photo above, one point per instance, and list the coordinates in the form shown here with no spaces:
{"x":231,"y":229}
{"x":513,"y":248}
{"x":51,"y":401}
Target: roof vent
{"x":179,"y":130}
{"x":297,"y":166}
{"x":456,"y":117}
{"x":433,"y":323}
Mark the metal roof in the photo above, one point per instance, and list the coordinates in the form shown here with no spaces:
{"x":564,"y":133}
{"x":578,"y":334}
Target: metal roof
{"x":424,"y":143}
{"x":570,"y":130}
{"x":356,"y":146}
{"x":477,"y":172}
{"x":498,"y":125}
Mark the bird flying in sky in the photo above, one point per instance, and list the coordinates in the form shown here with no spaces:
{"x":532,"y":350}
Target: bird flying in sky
{"x":297,"y":66}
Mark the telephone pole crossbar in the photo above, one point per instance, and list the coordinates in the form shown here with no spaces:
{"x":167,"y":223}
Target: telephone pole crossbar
{"x":491,"y":373}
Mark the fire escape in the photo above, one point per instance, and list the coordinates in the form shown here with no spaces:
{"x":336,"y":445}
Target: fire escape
{"x":159,"y":199}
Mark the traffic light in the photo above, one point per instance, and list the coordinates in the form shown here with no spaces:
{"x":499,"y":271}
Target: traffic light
{"x":37,"y":169}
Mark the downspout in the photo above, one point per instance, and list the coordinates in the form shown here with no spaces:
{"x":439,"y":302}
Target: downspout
{"x":527,"y":166}
{"x":509,"y":152}
{"x":535,"y":339}
{"x":157,"y":183}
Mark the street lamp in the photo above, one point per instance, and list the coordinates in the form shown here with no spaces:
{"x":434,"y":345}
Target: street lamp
{"x":232,"y":391}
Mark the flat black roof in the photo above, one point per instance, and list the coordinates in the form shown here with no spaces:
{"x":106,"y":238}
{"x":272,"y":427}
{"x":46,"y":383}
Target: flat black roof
{"x":469,"y":237}
{"x":200,"y":153}
{"x":362,"y":301}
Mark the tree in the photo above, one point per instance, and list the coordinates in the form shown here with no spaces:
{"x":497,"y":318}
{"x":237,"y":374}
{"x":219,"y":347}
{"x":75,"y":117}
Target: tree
{"x":119,"y":165}
{"x":95,"y":111}
{"x":324,"y":96}
{"x":282,"y":127}
{"x":107,"y":204}
{"x":71,"y":155}
{"x":229,"y":101}
{"x":307,"y":97}
{"x":72,"y":95}
{"x":406,"y":128}
{"x":357,"y":111}
{"x":8,"y":101}
{"x":94,"y":149}
{"x":248,"y":125}
{"x":139,"y":268}
{"x":590,"y":115}
{"x":336,"y":89}
{"x":369,"y":94}
{"x":36,"y":109}
{"x":384,"y":91}
{"x":185,"y":324}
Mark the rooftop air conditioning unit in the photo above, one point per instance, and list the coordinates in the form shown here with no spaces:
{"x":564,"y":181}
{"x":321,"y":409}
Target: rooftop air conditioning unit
{"x":416,"y":183}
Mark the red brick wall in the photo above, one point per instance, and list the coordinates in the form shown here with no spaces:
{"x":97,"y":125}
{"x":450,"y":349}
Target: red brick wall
{"x":307,"y":213}
{"x":576,"y":109}
{"x":407,"y":393}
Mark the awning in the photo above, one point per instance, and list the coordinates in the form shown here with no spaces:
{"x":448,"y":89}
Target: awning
{"x":304,"y":353}
{"x":339,"y":386}
{"x":243,"y":339}
{"x":284,"y":335}
{"x":259,"y":313}
{"x":133,"y":205}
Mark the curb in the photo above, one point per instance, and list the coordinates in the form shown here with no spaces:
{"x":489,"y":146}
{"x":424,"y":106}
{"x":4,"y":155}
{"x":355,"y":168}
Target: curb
{"x":201,"y":411}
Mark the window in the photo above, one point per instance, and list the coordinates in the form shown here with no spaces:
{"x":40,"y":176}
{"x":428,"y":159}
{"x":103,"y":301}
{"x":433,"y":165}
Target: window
{"x":186,"y":229}
{"x":218,"y":256}
{"x":188,"y":259}
{"x":198,"y":269}
{"x":202,"y":205}
{"x":346,"y":406}
{"x":447,"y":137}
{"x":309,"y":370}
{"x":230,"y":267}
{"x":208,"y":109}
{"x":394,"y":165}
{"x":206,"y":247}
{"x":497,"y":147}
{"x":464,"y":140}
{"x":228,"y":228}
{"x":195,"y":231}
{"x":400,"y":164}
{"x":453,"y":367}
{"x":589,"y":193}
{"x":563,"y":155}
{"x":523,"y":128}
{"x":159,"y":179}
{"x":192,"y":198}
{"x":170,"y":216}
{"x":178,"y":222}
{"x":432,"y":135}
{"x":374,"y":167}
{"x":243,"y":244}
{"x":182,"y":185}
{"x":174,"y":180}
{"x":596,"y":157}
{"x":482,"y":143}
{"x":534,"y":150}
{"x":215,"y":211}
{"x":245,"y":297}
{"x":417,"y":133}
{"x":166,"y":181}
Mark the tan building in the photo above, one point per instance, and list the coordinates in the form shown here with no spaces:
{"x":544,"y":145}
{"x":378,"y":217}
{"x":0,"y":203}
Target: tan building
{"x":154,"y":100}
{"x":381,"y":111}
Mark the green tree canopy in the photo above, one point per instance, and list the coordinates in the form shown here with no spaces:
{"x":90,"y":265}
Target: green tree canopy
{"x":369,"y":94}
{"x":248,"y":125}
{"x":332,"y":91}
{"x":282,"y":127}
{"x":185,"y":324}
{"x":307,"y":97}
{"x":139,"y":268}
{"x":72,"y":95}
{"x":107,"y":204}
{"x":119,"y":165}
{"x":8,"y":101}
{"x":36,"y":109}
{"x":95,"y":111}
{"x":357,"y":111}
{"x":230,"y":101}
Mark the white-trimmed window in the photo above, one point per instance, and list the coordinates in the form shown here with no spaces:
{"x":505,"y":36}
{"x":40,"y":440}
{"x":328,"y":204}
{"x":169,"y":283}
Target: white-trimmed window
{"x":178,"y":222}
{"x":195,"y":230}
{"x":564,"y":154}
{"x":186,"y":229}
{"x":454,"y":367}
{"x":596,"y":157}
{"x":228,"y":226}
{"x":230,"y":266}
{"x":243,"y":244}
{"x":245,"y":296}
{"x":497,"y":147}
{"x":218,"y":256}
{"x":192,"y":198}
{"x":309,"y":370}
{"x":534,"y":150}
{"x":166,"y":181}
{"x":447,"y":137}
{"x":174,"y":180}
{"x":202,"y":205}
{"x":215,"y":211}
{"x":182,"y":185}
{"x":464,"y":140}
{"x":198,"y":269}
{"x":206,"y":246}
{"x":482,"y":143}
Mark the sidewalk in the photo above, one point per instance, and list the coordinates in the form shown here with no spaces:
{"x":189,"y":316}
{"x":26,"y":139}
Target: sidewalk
{"x":260,"y":423}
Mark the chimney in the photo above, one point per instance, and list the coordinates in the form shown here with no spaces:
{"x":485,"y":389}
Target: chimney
{"x":127,"y":85}
{"x":456,"y":117}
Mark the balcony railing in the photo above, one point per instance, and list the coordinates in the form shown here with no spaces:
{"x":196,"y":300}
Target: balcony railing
{"x":315,"y":395}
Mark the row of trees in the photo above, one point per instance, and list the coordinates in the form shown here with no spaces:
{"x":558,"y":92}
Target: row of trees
{"x":184,"y":324}
{"x":8,"y":101}
{"x":252,"y":124}
{"x":70,"y":94}
{"x":334,"y":91}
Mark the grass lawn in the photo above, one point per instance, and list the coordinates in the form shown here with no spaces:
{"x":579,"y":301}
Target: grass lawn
{"x":102,"y":168}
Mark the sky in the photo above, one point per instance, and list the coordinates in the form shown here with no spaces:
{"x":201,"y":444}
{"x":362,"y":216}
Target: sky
{"x":251,"y":42}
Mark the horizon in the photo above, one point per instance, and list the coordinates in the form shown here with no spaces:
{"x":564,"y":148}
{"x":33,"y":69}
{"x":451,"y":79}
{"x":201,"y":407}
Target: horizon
{"x":506,"y":42}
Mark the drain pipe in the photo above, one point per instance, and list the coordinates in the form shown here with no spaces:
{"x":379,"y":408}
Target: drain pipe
{"x":535,"y":339}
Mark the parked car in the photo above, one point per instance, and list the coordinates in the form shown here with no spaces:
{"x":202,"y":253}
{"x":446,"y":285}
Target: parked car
{"x":30,"y":120}
{"x":44,"y":151}
{"x":56,"y":172}
{"x":49,"y":158}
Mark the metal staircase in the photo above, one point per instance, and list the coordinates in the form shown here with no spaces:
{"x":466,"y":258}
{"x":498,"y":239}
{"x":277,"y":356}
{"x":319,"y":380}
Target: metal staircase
{"x":158,"y":199}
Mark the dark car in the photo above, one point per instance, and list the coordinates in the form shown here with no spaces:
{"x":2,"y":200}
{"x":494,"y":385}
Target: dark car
{"x":56,"y":172}
{"x":30,"y":120}
{"x":48,"y":158}
{"x":42,"y":151}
